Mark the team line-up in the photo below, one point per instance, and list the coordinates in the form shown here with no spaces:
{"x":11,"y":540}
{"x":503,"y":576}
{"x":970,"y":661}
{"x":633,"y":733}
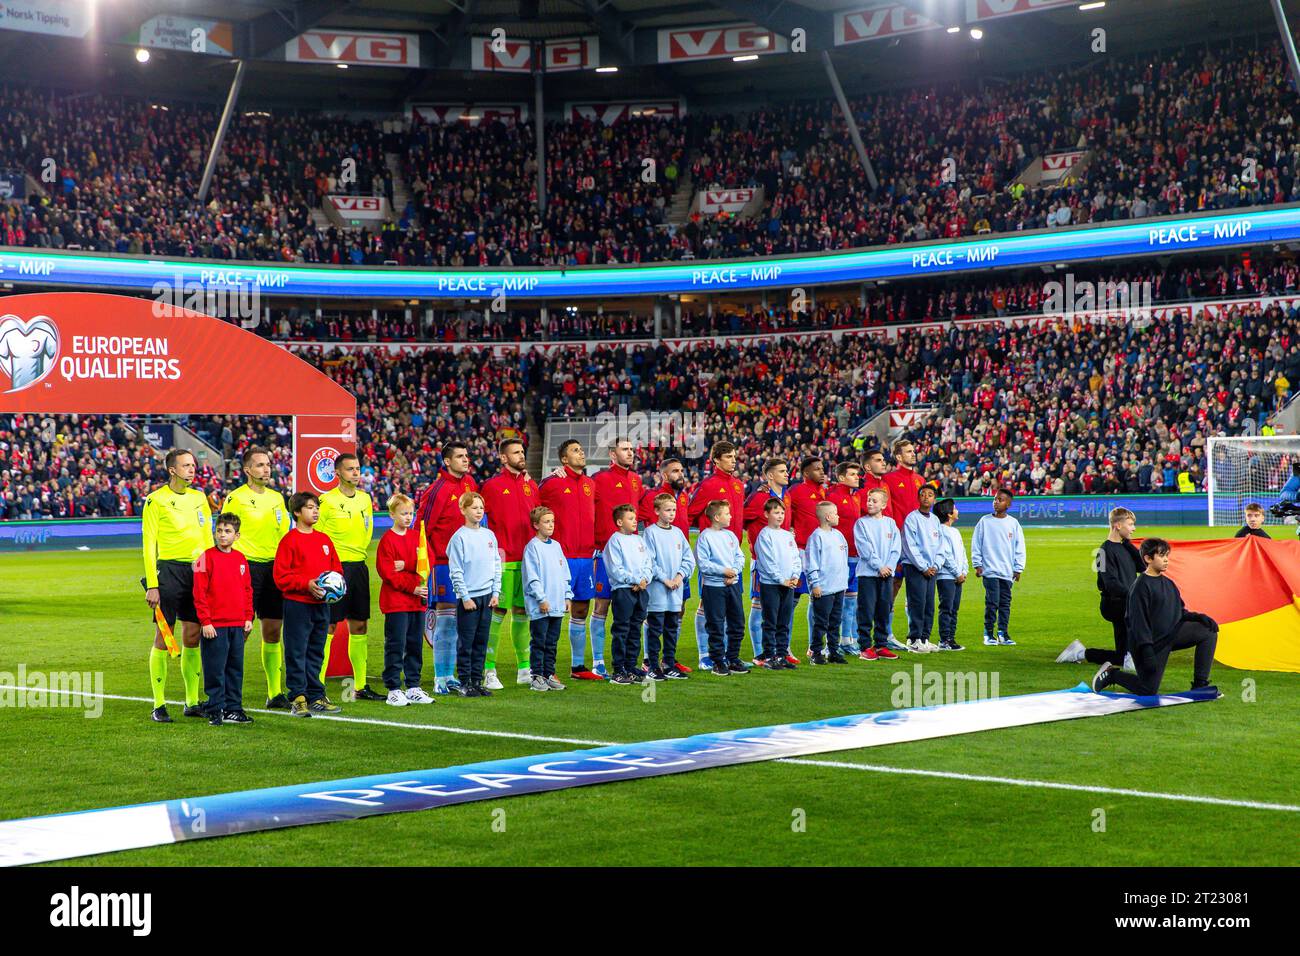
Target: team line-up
{"x":606,"y":552}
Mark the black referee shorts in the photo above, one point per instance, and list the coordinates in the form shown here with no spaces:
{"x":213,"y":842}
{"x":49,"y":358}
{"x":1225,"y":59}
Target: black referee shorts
{"x":268,"y":602}
{"x":176,"y":592}
{"x":355,"y":605}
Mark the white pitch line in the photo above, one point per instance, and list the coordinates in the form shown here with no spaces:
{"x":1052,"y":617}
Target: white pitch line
{"x":1045,"y":784}
{"x":831,"y":764}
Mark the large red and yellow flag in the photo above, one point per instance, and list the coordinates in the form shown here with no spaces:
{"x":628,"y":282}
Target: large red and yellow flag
{"x":1251,"y":586}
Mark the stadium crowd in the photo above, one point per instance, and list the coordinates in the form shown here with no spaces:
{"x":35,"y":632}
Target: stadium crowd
{"x":1064,"y":409}
{"x":1159,"y":139}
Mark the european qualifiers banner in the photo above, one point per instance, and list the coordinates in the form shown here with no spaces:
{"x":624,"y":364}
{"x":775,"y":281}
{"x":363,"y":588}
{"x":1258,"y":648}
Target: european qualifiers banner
{"x":1162,"y":236}
{"x":69,"y":835}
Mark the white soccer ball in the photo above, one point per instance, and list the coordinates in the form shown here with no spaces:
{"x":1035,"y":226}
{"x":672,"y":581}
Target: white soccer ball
{"x":332,"y":583}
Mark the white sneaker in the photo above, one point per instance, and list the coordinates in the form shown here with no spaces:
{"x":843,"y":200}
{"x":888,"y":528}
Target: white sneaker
{"x":1073,"y":653}
{"x":894,"y":644}
{"x":990,"y":641}
{"x":554,"y":684}
{"x":491,"y":682}
{"x":1129,"y":665}
{"x":397,"y":699}
{"x":930,"y":648}
{"x":918,"y":647}
{"x":523,"y":676}
{"x":416,"y":695}
{"x":538,"y":683}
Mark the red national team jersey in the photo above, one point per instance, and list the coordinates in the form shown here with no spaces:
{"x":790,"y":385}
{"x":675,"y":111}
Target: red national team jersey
{"x":439,"y":508}
{"x":850,"y":508}
{"x":903,"y":484}
{"x":645,"y":512}
{"x":614,"y":486}
{"x":756,"y":520}
{"x":719,"y":486}
{"x":573,"y":499}
{"x":507,"y":500}
{"x":869,"y":482}
{"x":802,"y":501}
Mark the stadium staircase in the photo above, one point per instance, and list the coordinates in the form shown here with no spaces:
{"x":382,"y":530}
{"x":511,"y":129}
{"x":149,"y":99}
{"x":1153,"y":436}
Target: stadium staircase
{"x":534,"y":460}
{"x":680,"y":210}
{"x":401,"y":191}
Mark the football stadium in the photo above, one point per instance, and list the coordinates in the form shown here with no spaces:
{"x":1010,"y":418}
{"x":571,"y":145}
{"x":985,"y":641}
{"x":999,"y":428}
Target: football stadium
{"x":640,"y":433}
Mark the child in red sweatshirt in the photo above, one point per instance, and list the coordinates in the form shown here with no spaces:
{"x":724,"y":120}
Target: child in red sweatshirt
{"x":223,"y":598}
{"x":402,"y":599}
{"x":304,"y":555}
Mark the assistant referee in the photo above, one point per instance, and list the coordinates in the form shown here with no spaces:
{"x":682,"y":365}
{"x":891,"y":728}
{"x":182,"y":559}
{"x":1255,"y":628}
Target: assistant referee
{"x":263,"y":520}
{"x":176,"y":524}
{"x":347,"y":515}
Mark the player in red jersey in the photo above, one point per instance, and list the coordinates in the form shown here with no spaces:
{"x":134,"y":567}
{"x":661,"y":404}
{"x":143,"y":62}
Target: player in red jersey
{"x":844,"y":495}
{"x":776,"y":476}
{"x":616,"y":485}
{"x":904,"y":484}
{"x":721,"y":484}
{"x":874,"y":470}
{"x":508,"y":497}
{"x":438,"y":511}
{"x":672,"y":481}
{"x":802,"y":500}
{"x":571,"y":495}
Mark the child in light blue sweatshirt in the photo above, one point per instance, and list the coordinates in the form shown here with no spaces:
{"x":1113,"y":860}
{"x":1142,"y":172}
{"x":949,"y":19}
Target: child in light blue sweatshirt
{"x":474,"y":566}
{"x":777,"y":566}
{"x":719,"y":558}
{"x":880,"y":546}
{"x":629,"y":568}
{"x":548,"y":589}
{"x":828,"y":580}
{"x":951,"y":576}
{"x":922,"y":537}
{"x":997,"y":553}
{"x":673,"y":562}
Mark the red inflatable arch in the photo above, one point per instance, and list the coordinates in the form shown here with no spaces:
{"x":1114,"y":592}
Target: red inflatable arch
{"x":94,"y":354}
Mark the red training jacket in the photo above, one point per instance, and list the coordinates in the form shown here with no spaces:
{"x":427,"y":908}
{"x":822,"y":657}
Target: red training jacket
{"x":439,"y":508}
{"x":645,"y":511}
{"x":614,"y":486}
{"x":904,"y":485}
{"x":573,"y":499}
{"x":508,"y":499}
{"x":756,"y":520}
{"x":223,"y":588}
{"x":719,"y":487}
{"x":802,"y":500}
{"x":850,"y":509}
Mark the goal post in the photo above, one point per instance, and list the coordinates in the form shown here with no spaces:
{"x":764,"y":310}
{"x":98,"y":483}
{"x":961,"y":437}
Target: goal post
{"x":1245,"y":469}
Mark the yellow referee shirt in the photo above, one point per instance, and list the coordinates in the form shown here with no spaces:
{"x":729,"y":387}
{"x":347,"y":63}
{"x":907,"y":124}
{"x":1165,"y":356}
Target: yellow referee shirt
{"x":349,"y":522}
{"x":263,"y":520}
{"x":176,"y":527}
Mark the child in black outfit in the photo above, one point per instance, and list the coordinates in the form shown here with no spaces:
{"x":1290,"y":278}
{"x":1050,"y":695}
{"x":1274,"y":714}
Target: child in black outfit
{"x":1254,"y":522}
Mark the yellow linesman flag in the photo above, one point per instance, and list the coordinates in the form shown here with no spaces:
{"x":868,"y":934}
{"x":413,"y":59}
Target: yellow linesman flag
{"x":173,"y":649}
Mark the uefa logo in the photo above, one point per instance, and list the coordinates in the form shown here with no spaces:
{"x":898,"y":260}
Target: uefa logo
{"x":28,"y":350}
{"x":320,"y":469}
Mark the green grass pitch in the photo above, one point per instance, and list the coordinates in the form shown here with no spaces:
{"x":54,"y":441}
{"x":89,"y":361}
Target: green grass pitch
{"x":85,"y":611}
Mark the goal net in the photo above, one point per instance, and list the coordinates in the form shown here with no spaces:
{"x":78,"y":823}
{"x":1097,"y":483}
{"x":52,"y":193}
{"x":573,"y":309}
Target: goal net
{"x":1248,"y":469}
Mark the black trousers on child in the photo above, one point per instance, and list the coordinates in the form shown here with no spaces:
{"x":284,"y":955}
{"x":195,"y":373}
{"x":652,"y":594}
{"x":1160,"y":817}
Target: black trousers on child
{"x":997,"y":606}
{"x":778,"y":616}
{"x":949,"y":604}
{"x":472,"y":631}
{"x":306,"y":626}
{"x":544,"y":637}
{"x":1151,"y":663}
{"x":403,"y":648}
{"x":628,"y":609}
{"x":724,"y":619}
{"x":223,"y":669}
{"x":875,"y":606}
{"x":665,"y":624}
{"x":828,"y":611}
{"x":920,"y":605}
{"x":1115,"y":612}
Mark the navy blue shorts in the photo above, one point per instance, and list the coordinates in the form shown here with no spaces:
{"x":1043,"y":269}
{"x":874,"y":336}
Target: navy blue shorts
{"x":584,"y":589}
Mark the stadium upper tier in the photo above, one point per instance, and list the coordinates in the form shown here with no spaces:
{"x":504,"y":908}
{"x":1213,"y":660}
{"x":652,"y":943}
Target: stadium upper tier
{"x":1192,"y":133}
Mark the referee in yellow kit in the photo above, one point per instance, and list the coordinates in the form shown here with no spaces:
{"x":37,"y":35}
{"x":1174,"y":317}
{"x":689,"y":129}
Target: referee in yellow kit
{"x":176,"y":523}
{"x":263,"y":521}
{"x":347,"y":515}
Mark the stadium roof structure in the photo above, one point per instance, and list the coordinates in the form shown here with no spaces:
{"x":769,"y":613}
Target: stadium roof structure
{"x":874,"y":44}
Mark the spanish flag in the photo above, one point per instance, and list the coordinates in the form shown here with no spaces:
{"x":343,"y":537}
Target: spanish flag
{"x":1251,"y":586}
